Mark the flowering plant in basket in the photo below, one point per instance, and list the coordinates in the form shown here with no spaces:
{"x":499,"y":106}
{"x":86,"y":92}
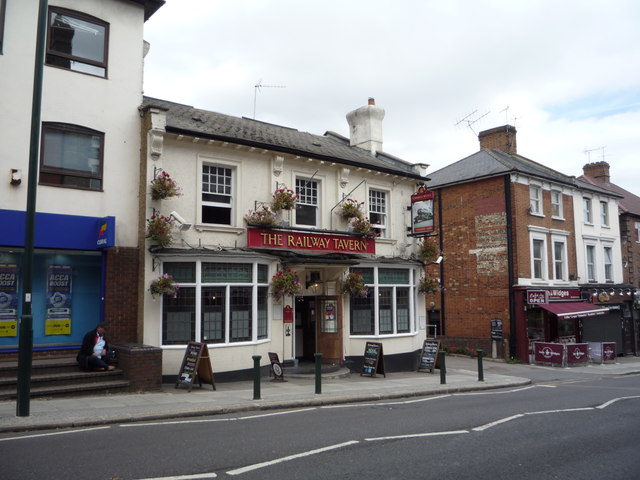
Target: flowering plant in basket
{"x":363,"y":226}
{"x":159,"y":230}
{"x":164,"y":285}
{"x":163,"y":186}
{"x":428,"y":285}
{"x":350,"y":208}
{"x":353,"y":284}
{"x":284,"y":199}
{"x":263,"y":216}
{"x":285,"y":283}
{"x":428,"y":249}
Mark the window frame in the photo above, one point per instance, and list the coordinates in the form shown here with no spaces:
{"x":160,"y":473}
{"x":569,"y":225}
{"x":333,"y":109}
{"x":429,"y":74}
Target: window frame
{"x":535,"y":199}
{"x":382,"y":229}
{"x":559,"y":262}
{"x":591,"y":269}
{"x":233,"y":189}
{"x":3,"y":9}
{"x":587,"y":210}
{"x":556,"y":205}
{"x":637,"y":229}
{"x":607,"y":262}
{"x":301,"y":201}
{"x":52,"y":53}
{"x":604,"y":213}
{"x":542,"y":260}
{"x":61,"y":172}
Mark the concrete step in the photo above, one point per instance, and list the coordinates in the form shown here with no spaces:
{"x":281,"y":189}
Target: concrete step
{"x":68,"y":390}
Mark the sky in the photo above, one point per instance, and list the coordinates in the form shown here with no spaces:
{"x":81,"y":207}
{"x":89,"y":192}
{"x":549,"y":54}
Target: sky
{"x":565,"y":73}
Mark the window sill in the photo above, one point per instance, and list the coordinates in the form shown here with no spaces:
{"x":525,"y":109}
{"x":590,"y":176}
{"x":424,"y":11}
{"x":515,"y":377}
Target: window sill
{"x":383,"y":335}
{"x":205,"y":227}
{"x":537,"y":214}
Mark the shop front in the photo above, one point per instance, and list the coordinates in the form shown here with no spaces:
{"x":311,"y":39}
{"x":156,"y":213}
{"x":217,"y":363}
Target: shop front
{"x":68,"y":278}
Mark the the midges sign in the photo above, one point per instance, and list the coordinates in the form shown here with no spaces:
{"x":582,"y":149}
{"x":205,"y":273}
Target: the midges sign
{"x":259,"y":238}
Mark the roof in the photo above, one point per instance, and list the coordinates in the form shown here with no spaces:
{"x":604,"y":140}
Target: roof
{"x":187,"y":120}
{"x":629,"y":203}
{"x":489,"y":163}
{"x":150,"y":7}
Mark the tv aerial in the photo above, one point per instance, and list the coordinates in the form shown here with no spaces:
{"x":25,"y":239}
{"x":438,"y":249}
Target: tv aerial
{"x":256,"y":89}
{"x":471,"y":119}
{"x":587,"y":152}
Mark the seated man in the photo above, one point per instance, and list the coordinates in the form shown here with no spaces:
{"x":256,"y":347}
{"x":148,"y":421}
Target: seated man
{"x":93,"y":352}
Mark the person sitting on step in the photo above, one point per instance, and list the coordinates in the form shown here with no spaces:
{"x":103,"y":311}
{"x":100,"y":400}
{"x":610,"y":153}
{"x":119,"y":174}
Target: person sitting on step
{"x":93,"y":352}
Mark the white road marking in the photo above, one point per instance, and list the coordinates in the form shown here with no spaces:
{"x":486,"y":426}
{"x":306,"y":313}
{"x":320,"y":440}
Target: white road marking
{"x":497,"y":422}
{"x":258,"y":466}
{"x":402,"y":402}
{"x":492,"y":392}
{"x":606,"y":404}
{"x":184,"y":477}
{"x":52,"y":433}
{"x":276,"y":413}
{"x":417,"y":435}
{"x":562,"y":410}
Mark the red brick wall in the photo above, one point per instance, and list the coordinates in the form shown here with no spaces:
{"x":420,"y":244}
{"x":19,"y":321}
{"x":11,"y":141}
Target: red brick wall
{"x":630,"y":249}
{"x":121,"y":294}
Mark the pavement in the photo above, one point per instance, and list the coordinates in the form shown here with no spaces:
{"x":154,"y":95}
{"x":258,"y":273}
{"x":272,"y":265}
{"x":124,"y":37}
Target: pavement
{"x":298,"y":391}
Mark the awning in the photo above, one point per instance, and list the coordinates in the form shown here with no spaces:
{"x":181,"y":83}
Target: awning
{"x":570,"y":310}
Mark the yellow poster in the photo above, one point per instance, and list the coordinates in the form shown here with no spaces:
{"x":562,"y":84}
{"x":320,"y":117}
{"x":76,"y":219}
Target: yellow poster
{"x":8,"y":328}
{"x":59,"y":326}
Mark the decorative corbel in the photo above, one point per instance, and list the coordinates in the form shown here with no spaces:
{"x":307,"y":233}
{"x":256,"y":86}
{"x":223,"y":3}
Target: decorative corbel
{"x":156,"y":140}
{"x":344,"y":177}
{"x":278,"y":165}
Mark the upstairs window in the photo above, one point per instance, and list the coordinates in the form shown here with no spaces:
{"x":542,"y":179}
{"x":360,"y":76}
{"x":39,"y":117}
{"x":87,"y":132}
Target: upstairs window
{"x":217,"y":198}
{"x":535,"y":200}
{"x":556,"y":203}
{"x":591,"y":263}
{"x":3,"y":4}
{"x":378,"y":212}
{"x":559,"y":260}
{"x":77,"y":42}
{"x":637,"y":229}
{"x":307,"y":204}
{"x":71,"y":156}
{"x":604,"y":214}
{"x":586,"y":210}
{"x":608,"y":264}
{"x":538,"y":259}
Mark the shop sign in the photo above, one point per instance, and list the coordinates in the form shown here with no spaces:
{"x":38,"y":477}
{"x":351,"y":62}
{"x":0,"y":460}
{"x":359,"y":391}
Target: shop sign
{"x":422,"y":211}
{"x":259,"y":238}
{"x":564,"y":294}
{"x":58,"y":307}
{"x":577,"y":353}
{"x":537,"y":297}
{"x":548,"y":352}
{"x":608,"y":351}
{"x":287,"y":314}
{"x":496,"y":329}
{"x":106,"y":233}
{"x":8,"y":300}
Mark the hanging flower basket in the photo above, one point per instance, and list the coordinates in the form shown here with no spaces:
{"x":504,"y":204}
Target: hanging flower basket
{"x":159,"y":230}
{"x":263,"y":216}
{"x":164,"y":285}
{"x":428,"y":285}
{"x":350,"y":208}
{"x":163,"y":186}
{"x":353,"y":284}
{"x":284,"y":199}
{"x":428,"y":250}
{"x":285,"y":283}
{"x":363,"y":226}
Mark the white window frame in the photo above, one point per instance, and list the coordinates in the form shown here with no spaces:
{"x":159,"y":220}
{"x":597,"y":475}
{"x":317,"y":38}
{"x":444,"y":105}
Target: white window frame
{"x":535,"y":199}
{"x":562,"y":262}
{"x":235,"y":181}
{"x":604,"y":213}
{"x":587,"y":210}
{"x":637,"y":229}
{"x":556,"y":204}
{"x":301,"y":199}
{"x":381,"y":228}
{"x":607,"y":262}
{"x":591,"y":263}
{"x":544,"y":267}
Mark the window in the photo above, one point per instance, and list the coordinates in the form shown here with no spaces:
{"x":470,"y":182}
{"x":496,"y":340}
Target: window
{"x":637,"y":228}
{"x":604,"y":213}
{"x":378,"y":212}
{"x":71,"y":156}
{"x":388,"y":309}
{"x":217,"y":199}
{"x":591,"y":263}
{"x":3,"y":4}
{"x":77,"y":42}
{"x":233,"y":303}
{"x":538,"y":259}
{"x":556,"y":204}
{"x":586,"y":209}
{"x":307,"y":204}
{"x":535,"y":199}
{"x":608,"y":264}
{"x":559,"y":260}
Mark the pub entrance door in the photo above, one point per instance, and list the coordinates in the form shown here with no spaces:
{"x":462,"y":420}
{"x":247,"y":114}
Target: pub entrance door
{"x":329,"y":329}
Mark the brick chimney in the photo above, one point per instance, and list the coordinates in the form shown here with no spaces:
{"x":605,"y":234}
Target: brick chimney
{"x":499,"y":138}
{"x":365,"y":127}
{"x":597,"y":170}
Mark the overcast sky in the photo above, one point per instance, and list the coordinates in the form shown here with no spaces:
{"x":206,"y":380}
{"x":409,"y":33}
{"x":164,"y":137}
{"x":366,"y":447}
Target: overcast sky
{"x":565,"y":73}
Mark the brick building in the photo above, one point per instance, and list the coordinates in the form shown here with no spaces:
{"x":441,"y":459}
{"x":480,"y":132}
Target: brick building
{"x":515,"y":247}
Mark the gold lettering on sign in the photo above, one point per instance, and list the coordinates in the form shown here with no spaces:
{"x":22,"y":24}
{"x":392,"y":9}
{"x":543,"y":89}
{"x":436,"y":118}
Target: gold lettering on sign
{"x":271,"y":239}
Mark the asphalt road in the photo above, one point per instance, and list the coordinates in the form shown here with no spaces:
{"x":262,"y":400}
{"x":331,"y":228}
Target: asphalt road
{"x":565,"y":428}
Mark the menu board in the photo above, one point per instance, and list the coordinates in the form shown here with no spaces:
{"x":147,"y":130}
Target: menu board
{"x":429,"y":355}
{"x":196,"y":365}
{"x":276,"y":367}
{"x":373,"y":361}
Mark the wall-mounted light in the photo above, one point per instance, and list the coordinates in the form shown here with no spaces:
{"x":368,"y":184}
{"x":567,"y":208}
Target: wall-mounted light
{"x":612,"y":292}
{"x":183,"y":223}
{"x":595,"y":292}
{"x":16,"y":176}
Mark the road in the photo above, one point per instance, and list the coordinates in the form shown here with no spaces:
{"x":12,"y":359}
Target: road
{"x":574,"y":427}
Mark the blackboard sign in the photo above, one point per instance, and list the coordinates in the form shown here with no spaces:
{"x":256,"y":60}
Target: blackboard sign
{"x":196,"y":365}
{"x":276,"y":367}
{"x":496,"y":329}
{"x":429,"y":355}
{"x":373,"y":361}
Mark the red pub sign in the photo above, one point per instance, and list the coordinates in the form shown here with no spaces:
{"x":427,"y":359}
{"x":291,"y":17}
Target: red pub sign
{"x":259,"y":238}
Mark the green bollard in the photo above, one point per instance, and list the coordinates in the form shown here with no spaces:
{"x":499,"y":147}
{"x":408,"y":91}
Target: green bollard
{"x":318,"y":357}
{"x":443,"y":368}
{"x":256,"y":376}
{"x":480,"y":372}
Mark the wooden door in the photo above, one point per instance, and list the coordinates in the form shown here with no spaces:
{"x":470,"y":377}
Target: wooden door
{"x":329,"y":329}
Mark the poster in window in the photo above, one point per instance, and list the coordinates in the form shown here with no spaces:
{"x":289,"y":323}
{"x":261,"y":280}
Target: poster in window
{"x":422,"y":212}
{"x":8,"y":300}
{"x":58,"y":315}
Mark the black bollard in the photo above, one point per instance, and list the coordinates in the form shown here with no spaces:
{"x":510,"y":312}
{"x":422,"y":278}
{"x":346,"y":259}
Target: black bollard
{"x":318,"y":357}
{"x":443,"y":368}
{"x":256,"y":376}
{"x":480,"y":372}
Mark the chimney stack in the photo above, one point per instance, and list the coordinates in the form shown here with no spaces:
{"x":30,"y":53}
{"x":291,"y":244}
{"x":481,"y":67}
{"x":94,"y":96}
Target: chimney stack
{"x":597,"y":170}
{"x":499,"y":138}
{"x":365,"y":127}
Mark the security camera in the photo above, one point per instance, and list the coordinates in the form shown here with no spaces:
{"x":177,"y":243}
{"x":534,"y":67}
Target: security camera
{"x":183,"y":223}
{"x":439,"y":259}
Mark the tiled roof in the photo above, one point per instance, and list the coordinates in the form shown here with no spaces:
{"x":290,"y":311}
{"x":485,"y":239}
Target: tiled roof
{"x":629,"y":203}
{"x":491,"y":162}
{"x":187,"y":120}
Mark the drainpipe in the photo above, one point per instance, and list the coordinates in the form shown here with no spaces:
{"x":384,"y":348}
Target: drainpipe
{"x":512,"y":309}
{"x":443,"y":330}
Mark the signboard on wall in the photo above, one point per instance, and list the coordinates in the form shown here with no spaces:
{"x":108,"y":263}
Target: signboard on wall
{"x":422,"y":212}
{"x":309,"y":241}
{"x":58,"y":307}
{"x":8,"y":300}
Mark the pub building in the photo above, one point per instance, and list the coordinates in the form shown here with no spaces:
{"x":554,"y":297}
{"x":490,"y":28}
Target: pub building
{"x":260,"y":273}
